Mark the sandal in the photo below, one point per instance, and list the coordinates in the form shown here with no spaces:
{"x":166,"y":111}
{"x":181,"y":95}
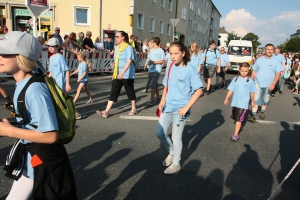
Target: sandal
{"x":234,"y":138}
{"x":102,"y":113}
{"x":132,"y":112}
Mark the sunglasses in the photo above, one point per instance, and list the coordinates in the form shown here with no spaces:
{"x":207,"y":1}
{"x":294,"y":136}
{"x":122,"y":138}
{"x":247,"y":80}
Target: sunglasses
{"x":57,"y":30}
{"x":222,"y":50}
{"x":118,"y":36}
{"x":6,"y":29}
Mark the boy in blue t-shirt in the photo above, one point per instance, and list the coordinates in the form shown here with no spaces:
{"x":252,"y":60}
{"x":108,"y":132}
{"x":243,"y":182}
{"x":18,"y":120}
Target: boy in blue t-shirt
{"x":242,"y":88}
{"x":58,"y":67}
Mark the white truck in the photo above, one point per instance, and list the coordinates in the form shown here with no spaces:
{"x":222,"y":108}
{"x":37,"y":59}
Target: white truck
{"x":239,"y":51}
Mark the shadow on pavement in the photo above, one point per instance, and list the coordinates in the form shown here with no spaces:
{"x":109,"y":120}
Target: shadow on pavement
{"x":289,"y":151}
{"x":248,"y":179}
{"x":89,"y":172}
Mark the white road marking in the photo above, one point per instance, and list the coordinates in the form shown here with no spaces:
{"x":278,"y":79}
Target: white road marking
{"x":138,"y":117}
{"x":272,"y":122}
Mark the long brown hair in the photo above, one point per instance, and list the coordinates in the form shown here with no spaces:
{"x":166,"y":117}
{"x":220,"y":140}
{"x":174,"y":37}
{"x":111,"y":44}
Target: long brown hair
{"x":183,"y":48}
{"x":196,"y":50}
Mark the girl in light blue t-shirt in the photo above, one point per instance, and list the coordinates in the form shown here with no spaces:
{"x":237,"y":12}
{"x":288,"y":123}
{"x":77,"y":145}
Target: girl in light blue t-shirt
{"x":182,"y":89}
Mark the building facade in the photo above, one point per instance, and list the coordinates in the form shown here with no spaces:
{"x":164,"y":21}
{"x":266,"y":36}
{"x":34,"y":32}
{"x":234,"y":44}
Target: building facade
{"x":296,"y":35}
{"x":198,"y":19}
{"x":223,"y":37}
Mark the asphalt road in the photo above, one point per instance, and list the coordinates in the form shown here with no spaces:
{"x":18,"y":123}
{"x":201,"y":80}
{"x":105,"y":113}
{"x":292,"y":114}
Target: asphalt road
{"x":121,"y":158}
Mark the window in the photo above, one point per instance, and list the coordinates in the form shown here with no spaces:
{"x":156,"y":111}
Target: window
{"x":196,"y":3}
{"x":170,"y":5}
{"x":82,"y":16}
{"x":161,"y":27}
{"x":199,"y":12}
{"x":140,"y":21}
{"x":153,"y":1}
{"x":198,"y":27}
{"x":183,"y":12}
{"x":169,"y":29}
{"x":190,"y":23}
{"x":152,"y":24}
{"x":191,"y":5}
{"x":162,"y":3}
{"x":193,"y":34}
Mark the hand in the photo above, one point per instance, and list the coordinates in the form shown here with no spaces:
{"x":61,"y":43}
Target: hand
{"x":161,"y":105}
{"x":78,"y":81}
{"x":219,"y":69}
{"x":112,"y":65}
{"x":120,"y":76}
{"x":271,"y":87}
{"x":151,"y":62}
{"x":252,"y":104}
{"x":225,"y":69}
{"x":225,"y":101}
{"x":68,"y":87}
{"x":183,"y":111}
{"x":145,"y":68}
{"x":4,"y":127}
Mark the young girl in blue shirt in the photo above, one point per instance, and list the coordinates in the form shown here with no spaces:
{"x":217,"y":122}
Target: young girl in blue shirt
{"x":182,"y":89}
{"x":242,"y":88}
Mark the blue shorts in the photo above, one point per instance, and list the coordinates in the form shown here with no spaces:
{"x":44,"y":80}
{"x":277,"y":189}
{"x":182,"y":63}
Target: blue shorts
{"x":261,"y":96}
{"x":84,"y":82}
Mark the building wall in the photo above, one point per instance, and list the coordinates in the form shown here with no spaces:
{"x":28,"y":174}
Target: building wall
{"x":223,"y":38}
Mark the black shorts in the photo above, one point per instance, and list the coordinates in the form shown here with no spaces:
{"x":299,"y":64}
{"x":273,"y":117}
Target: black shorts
{"x":238,"y":114}
{"x":222,"y":72}
{"x":116,"y":88}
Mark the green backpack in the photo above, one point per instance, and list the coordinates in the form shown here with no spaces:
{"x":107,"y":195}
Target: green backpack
{"x":63,"y":104}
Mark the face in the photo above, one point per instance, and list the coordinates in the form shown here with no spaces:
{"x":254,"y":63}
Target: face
{"x":151,"y":44}
{"x":193,"y":47}
{"x":79,"y":58}
{"x":212,"y":46}
{"x":8,"y":64}
{"x":52,"y":49}
{"x":67,"y":39}
{"x":119,"y":38}
{"x":244,"y":71}
{"x":269,"y":50}
{"x":57,"y":31}
{"x":176,"y":55}
{"x":5,"y":30}
{"x":89,"y":35}
{"x":222,"y":51}
{"x":277,"y":51}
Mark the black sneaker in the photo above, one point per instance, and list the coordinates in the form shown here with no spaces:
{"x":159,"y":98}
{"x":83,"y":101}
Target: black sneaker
{"x":216,"y":87}
{"x":280,"y":92}
{"x":206,"y":93}
{"x":262,"y":116}
{"x":273,"y":95}
{"x":251,"y":119}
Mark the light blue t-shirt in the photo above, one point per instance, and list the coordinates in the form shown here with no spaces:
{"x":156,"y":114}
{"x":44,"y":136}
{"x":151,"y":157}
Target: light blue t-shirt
{"x":183,"y":82}
{"x":82,"y":67}
{"x":58,"y":67}
{"x":156,"y":55}
{"x":212,"y":57}
{"x":125,"y":55}
{"x":37,"y":97}
{"x":224,"y":59}
{"x":168,"y":60}
{"x":288,"y":64}
{"x":196,"y":60}
{"x":241,"y":91}
{"x":266,"y":70}
{"x":280,"y":58}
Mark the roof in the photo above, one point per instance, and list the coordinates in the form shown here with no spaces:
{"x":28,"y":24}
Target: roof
{"x":222,"y":30}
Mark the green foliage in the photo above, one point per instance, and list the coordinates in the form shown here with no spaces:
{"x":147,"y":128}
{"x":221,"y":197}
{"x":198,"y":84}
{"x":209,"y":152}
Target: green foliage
{"x":254,"y":38}
{"x":293,"y":45}
{"x":230,"y":37}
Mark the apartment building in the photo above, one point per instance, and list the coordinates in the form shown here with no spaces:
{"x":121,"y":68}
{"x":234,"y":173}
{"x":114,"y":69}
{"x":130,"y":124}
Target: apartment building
{"x":198,"y":19}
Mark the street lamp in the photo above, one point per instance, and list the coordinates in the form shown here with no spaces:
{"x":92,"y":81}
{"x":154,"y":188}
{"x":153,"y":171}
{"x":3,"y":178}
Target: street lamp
{"x":174,"y":22}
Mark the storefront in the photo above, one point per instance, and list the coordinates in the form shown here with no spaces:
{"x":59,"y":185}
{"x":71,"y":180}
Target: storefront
{"x":2,"y":16}
{"x":22,"y":21}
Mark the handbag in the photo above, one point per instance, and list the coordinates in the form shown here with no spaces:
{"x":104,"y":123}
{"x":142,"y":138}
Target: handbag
{"x":158,"y":112}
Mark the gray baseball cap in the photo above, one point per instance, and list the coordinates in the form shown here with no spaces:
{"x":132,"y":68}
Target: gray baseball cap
{"x":53,"y":42}
{"x":21,"y":43}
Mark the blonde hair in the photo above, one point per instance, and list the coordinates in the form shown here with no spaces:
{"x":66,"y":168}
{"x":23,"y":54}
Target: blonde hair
{"x":26,"y":64}
{"x":82,"y":54}
{"x":196,"y":49}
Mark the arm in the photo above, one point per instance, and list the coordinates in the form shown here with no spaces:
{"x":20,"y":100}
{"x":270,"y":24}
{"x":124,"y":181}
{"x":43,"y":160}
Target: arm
{"x":50,"y":74}
{"x":158,"y":62}
{"x":219,"y":65}
{"x":68,"y":87}
{"x":229,"y":93}
{"x":163,"y":99}
{"x":125,"y":69}
{"x":252,"y":99}
{"x":253,"y":75}
{"x":75,"y":72}
{"x":87,"y":47}
{"x":192,"y":101}
{"x":6,"y":129}
{"x":227,"y":65}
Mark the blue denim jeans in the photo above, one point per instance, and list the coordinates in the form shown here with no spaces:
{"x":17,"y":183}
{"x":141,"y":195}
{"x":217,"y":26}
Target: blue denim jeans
{"x":178,"y":121}
{"x":261,"y":96}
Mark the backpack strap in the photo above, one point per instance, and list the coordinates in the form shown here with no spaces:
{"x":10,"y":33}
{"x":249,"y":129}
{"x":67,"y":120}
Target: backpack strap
{"x":21,"y":100}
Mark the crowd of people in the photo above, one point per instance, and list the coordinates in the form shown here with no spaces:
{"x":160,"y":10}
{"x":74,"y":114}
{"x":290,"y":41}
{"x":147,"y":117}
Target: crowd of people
{"x":182,"y":88}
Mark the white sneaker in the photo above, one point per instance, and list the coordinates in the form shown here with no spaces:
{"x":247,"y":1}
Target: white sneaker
{"x":172,"y":169}
{"x":77,"y":115}
{"x":89,"y":101}
{"x":168,"y":161}
{"x":145,"y":90}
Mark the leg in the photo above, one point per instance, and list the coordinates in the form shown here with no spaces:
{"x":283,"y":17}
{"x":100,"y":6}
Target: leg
{"x":114,"y":94}
{"x":162,"y":131}
{"x":265,"y":102}
{"x":208,"y":84}
{"x":281,"y":83}
{"x":21,"y":189}
{"x":86,"y":89}
{"x":81,"y":85}
{"x":238,"y":126}
{"x":157,"y":93}
{"x":150,"y":76}
{"x":129,"y":88}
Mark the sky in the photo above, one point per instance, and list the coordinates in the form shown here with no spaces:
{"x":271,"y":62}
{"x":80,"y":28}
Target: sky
{"x":272,"y":20}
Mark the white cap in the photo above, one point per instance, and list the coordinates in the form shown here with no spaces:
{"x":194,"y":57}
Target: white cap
{"x":20,"y":43}
{"x":53,"y":42}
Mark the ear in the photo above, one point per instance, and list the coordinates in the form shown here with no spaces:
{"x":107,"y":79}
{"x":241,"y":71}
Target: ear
{"x":183,"y":53}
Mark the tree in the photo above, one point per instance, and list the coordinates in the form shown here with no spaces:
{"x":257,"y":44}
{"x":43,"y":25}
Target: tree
{"x":293,"y":45}
{"x":282,"y":46}
{"x":254,"y":39}
{"x":232,"y":36}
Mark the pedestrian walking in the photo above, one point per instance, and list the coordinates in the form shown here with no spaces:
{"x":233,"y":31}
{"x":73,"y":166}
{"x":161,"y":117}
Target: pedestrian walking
{"x":266,"y":73}
{"x":46,"y":172}
{"x":242,"y":87}
{"x":224,"y":66}
{"x":212,"y":64}
{"x":124,"y":74}
{"x":83,"y":78}
{"x":196,"y":58}
{"x":282,"y":61}
{"x":58,"y":67}
{"x":156,"y":58}
{"x":182,"y":89}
